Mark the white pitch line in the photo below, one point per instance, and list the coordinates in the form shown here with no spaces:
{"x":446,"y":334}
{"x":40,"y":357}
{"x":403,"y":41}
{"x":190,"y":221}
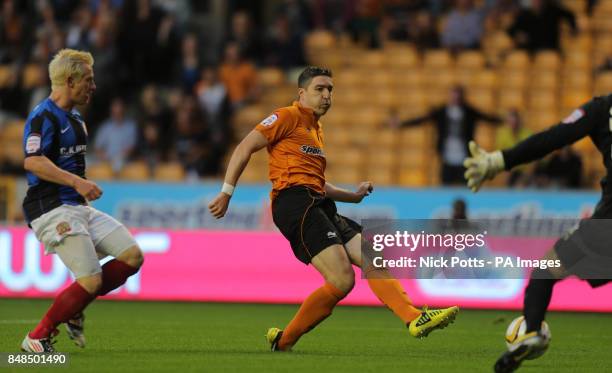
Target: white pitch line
{"x":18,"y":321}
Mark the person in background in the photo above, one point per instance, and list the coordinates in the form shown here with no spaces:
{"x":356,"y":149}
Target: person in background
{"x":117,"y":137}
{"x":455,"y":122}
{"x":508,"y":136}
{"x":239,"y":77}
{"x":562,"y":171}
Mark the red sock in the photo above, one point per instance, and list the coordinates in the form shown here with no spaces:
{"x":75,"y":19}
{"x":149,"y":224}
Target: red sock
{"x":69,"y":302}
{"x":114,"y":274}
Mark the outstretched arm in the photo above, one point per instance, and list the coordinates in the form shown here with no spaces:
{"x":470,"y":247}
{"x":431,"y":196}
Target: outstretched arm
{"x":417,"y":120}
{"x":540,"y":144}
{"x":484,"y":165}
{"x":253,"y":142}
{"x":491,"y":118}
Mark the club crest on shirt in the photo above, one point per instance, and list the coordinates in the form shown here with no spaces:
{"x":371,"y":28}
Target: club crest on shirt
{"x":574,"y":116}
{"x":269,"y":120}
{"x":33,"y":143}
{"x":63,"y":228}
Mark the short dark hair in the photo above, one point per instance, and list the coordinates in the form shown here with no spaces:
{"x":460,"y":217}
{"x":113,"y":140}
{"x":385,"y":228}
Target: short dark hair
{"x":310,"y":72}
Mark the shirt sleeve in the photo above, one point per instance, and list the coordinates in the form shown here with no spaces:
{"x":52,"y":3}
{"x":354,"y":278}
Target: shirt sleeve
{"x":277,"y":126}
{"x":38,"y":136}
{"x":578,"y":124}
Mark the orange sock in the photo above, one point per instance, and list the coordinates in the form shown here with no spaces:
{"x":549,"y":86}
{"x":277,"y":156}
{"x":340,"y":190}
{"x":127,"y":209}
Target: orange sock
{"x":316,"y":308}
{"x":393,"y":295}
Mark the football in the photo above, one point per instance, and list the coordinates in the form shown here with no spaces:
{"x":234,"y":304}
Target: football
{"x":516,"y":330}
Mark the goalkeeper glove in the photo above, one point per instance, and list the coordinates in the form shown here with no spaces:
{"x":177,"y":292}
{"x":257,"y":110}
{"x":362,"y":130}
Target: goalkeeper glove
{"x":482,"y":166}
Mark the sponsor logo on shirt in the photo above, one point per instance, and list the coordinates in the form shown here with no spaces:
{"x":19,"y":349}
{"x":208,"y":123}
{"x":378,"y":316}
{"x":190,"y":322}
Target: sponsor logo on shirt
{"x":72,"y":150}
{"x":312,"y":150}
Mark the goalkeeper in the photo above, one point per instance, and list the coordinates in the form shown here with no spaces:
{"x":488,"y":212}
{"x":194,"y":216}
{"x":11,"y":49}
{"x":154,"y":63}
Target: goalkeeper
{"x":583,"y":251}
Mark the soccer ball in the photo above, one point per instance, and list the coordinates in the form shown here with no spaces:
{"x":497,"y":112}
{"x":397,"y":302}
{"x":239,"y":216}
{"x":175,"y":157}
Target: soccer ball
{"x":516,"y":330}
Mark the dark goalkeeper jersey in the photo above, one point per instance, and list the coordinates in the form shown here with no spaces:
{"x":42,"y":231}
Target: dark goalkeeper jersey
{"x":60,"y":136}
{"x":593,"y":119}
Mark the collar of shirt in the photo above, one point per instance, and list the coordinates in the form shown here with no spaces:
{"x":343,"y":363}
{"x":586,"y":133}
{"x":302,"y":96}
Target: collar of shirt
{"x":68,"y":112}
{"x":307,"y":112}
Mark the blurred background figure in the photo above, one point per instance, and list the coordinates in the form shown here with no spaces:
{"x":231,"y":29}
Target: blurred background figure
{"x":455,"y":123}
{"x":463,"y":29}
{"x":509,"y":135}
{"x":114,"y":142}
{"x":239,"y":76}
{"x":459,"y":210}
{"x":563,"y":170}
{"x":216,"y":106}
{"x":538,"y":27}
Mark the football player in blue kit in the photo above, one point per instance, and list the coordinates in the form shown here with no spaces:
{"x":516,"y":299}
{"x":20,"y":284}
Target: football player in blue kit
{"x":56,"y":205}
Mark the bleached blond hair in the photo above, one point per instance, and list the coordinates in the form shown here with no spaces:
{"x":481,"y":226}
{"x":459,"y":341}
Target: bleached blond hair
{"x":68,"y":63}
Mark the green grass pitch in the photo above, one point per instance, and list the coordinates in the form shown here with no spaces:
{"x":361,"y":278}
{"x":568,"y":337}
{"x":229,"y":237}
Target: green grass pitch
{"x":205,"y":337}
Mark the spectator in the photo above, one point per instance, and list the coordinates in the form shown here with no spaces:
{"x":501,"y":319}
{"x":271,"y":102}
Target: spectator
{"x":284,"y":47}
{"x":154,"y":110}
{"x":463,"y":29}
{"x":298,"y":14}
{"x":78,"y":35}
{"x":456,"y":123}
{"x":365,"y":21}
{"x":216,"y":106}
{"x":11,"y":95}
{"x":40,"y":89}
{"x":539,"y":27}
{"x":562,"y":170}
{"x":459,"y":210}
{"x":189,"y":68}
{"x":106,"y":70}
{"x":150,"y":148}
{"x":423,"y":32}
{"x":146,"y":30}
{"x":188,"y":144}
{"x":501,"y":14}
{"x":116,"y":138}
{"x":12,"y":33}
{"x":508,"y":136}
{"x":245,"y":36}
{"x":239,"y":76}
{"x":329,"y":14}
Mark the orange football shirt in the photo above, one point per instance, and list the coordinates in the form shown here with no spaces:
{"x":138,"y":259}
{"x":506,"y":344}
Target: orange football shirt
{"x":295,"y":149}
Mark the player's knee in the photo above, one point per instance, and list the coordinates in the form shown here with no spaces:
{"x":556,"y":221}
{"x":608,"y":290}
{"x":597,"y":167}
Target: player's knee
{"x":92,"y":284}
{"x":132,"y":257}
{"x":345,"y":280}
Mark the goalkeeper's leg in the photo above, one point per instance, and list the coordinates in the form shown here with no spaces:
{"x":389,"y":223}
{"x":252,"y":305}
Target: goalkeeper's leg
{"x":538,"y":294}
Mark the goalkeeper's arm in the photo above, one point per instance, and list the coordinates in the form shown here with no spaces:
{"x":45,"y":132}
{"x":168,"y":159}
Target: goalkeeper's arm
{"x":483,"y":165}
{"x":540,"y":144}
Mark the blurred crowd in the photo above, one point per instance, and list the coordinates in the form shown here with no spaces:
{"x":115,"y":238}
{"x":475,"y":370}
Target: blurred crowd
{"x":168,"y":83}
